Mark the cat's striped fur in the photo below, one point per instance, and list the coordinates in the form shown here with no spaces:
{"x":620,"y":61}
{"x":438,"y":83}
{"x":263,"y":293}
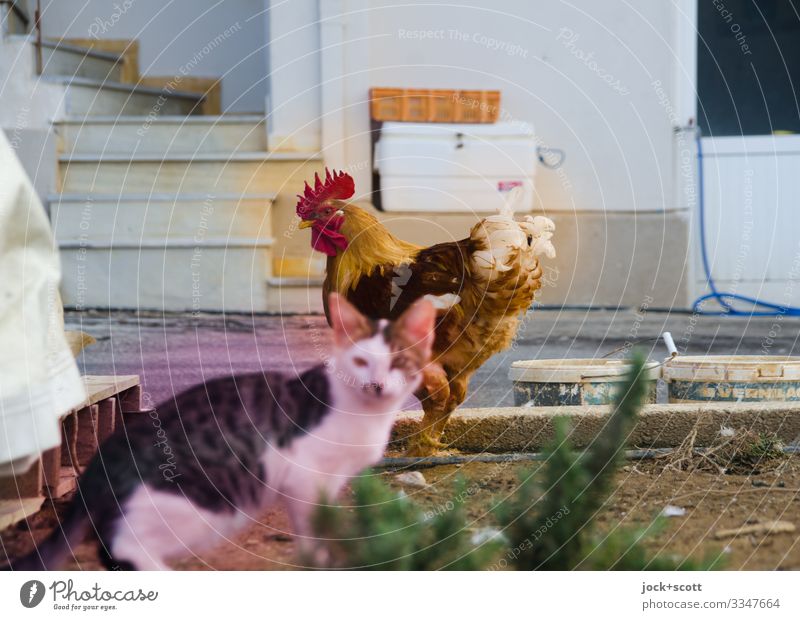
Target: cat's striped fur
{"x":211,"y":460}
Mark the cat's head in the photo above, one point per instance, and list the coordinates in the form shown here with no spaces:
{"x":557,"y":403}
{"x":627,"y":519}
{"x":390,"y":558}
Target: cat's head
{"x":381,"y":359}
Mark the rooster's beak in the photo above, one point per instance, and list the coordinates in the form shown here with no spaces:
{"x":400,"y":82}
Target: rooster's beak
{"x":305,"y":224}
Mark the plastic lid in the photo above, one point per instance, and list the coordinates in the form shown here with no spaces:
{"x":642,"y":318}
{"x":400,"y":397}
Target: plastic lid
{"x":575,"y":370}
{"x":467,"y":129}
{"x":732,"y":368}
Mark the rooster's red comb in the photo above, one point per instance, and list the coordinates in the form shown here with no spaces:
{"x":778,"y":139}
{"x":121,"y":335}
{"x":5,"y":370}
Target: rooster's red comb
{"x":337,"y":185}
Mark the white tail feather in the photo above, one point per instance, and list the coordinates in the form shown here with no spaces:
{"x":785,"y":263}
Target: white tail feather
{"x":508,"y":241}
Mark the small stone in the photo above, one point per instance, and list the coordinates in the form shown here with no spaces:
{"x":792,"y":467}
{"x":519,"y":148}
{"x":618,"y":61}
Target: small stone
{"x":412,"y":479}
{"x":758,"y":483}
{"x":781,"y":484}
{"x":673,"y":511}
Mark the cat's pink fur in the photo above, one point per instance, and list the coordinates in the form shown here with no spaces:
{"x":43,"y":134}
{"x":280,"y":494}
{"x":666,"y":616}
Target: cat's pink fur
{"x":160,"y":525}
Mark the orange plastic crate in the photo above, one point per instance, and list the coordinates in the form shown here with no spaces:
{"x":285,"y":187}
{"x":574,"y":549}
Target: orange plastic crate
{"x":477,"y":106}
{"x":386,"y":104}
{"x":417,"y":105}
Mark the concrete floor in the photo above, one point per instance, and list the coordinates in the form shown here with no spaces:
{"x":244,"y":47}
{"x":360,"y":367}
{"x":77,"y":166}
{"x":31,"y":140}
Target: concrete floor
{"x":173,"y":352}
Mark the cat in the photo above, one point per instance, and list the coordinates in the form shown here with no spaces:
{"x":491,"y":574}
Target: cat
{"x":207,"y":463}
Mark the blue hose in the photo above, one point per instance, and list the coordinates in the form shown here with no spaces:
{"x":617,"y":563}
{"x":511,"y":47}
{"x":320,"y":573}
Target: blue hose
{"x":724,"y":299}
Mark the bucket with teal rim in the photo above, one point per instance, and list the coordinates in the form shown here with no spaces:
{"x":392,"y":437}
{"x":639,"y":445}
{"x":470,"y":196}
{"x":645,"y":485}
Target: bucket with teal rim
{"x":732,"y":378}
{"x":550,"y":383}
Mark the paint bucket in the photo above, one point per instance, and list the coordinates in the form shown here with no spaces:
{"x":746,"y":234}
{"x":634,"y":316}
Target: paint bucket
{"x":732,"y":378}
{"x":548,"y":383}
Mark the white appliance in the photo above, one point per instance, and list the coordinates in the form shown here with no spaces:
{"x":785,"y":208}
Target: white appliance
{"x":449,"y":167}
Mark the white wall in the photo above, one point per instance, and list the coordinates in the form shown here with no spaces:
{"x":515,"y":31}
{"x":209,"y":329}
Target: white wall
{"x":172,"y":35}
{"x":295,"y":75}
{"x":582,"y":75}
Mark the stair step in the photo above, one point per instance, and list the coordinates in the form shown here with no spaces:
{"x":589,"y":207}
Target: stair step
{"x":238,"y":173}
{"x":294,"y":297}
{"x":204,"y":277}
{"x":164,"y":135}
{"x":88,"y":97}
{"x":161,"y":220}
{"x":64,"y":59}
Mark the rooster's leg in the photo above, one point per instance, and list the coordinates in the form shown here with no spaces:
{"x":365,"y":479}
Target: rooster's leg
{"x":434,"y":393}
{"x":457,"y":394}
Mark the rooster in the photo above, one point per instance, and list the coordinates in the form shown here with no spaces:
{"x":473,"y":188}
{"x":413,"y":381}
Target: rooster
{"x":480,"y":285}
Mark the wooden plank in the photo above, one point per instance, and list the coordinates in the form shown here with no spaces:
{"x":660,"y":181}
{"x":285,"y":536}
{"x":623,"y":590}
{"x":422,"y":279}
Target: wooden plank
{"x":118,"y":421}
{"x":130,"y":401}
{"x":106,"y":418}
{"x":25,"y":484}
{"x":14,"y":510}
{"x":82,"y":430}
{"x":67,"y":482}
{"x":69,"y":439}
{"x":51,"y":467}
{"x":100,"y":387}
{"x":87,"y":434}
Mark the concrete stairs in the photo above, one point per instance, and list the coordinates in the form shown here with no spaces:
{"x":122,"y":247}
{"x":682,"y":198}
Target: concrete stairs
{"x":99,"y":97}
{"x":62,"y":59}
{"x":173,"y":213}
{"x":156,"y":206}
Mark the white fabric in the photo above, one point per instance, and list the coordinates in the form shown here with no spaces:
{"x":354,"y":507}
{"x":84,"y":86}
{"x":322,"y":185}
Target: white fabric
{"x":39,"y":380}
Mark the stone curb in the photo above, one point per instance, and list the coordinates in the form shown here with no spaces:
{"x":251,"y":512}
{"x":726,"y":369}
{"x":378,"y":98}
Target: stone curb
{"x":521,"y":429}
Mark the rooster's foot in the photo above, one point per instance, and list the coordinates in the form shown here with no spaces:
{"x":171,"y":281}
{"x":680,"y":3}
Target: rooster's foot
{"x":424,"y":445}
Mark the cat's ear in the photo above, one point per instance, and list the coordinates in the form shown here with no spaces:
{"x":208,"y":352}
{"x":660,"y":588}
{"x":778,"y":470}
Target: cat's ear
{"x":416,"y":325}
{"x":349,"y":325}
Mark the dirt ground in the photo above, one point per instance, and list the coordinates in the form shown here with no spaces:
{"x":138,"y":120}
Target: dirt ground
{"x":712,"y":502}
{"x":172,"y":352}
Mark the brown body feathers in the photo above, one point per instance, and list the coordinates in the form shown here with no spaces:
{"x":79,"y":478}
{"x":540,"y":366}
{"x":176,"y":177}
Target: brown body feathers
{"x":382,"y":276}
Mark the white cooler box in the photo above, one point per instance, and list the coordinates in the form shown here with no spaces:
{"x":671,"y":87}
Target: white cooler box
{"x":454,"y":168}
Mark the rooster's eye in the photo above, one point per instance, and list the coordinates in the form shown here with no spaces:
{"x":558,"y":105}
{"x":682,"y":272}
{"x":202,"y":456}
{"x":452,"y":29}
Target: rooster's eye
{"x":530,"y":239}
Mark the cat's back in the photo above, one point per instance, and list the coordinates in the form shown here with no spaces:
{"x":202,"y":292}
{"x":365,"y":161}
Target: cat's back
{"x":275,"y":404}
